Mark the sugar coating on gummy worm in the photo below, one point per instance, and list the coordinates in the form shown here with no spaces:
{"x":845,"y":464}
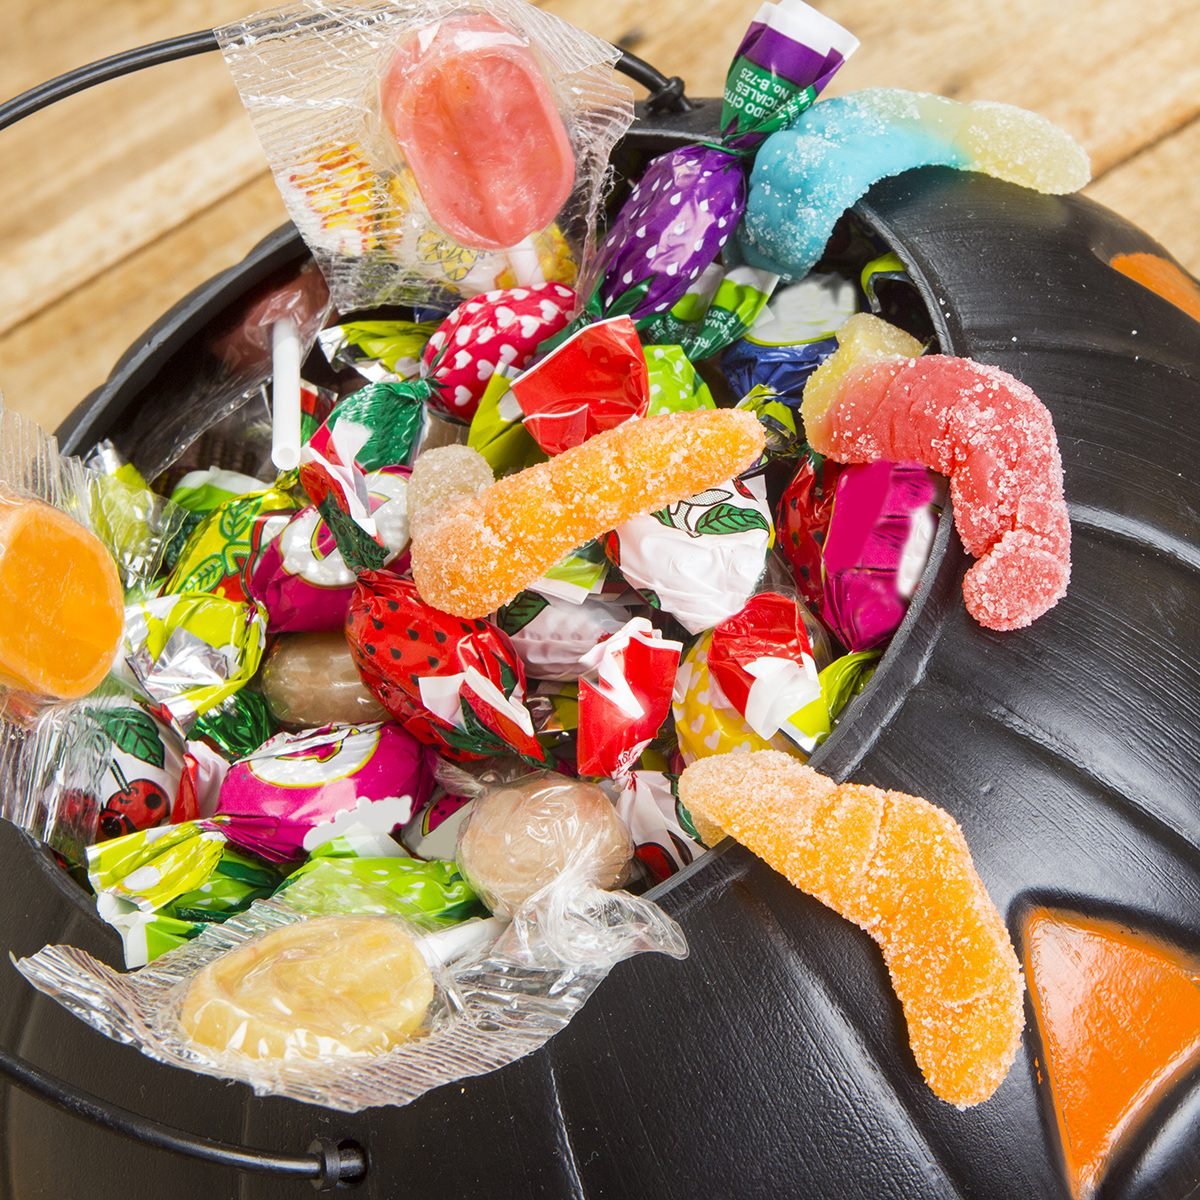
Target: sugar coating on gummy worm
{"x":899,"y":868}
{"x":876,"y":399}
{"x":477,"y":553}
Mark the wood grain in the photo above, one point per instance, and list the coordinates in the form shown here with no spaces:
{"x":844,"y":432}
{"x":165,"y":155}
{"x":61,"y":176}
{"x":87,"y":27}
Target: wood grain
{"x":117,"y":202}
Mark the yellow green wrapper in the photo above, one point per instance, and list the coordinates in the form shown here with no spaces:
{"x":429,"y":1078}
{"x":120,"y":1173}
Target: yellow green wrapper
{"x":191,"y":651}
{"x":220,"y":553}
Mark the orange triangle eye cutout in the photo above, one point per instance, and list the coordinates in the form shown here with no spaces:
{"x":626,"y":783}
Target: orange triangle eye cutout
{"x":1119,"y":1018}
{"x":1163,"y":278}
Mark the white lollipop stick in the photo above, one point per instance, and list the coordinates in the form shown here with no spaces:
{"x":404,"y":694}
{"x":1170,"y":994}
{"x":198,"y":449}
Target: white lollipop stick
{"x":285,"y":394}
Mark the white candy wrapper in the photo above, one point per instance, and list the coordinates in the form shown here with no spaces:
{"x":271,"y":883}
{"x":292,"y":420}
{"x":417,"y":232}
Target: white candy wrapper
{"x":700,"y":559}
{"x":322,"y":85}
{"x":663,"y":843}
{"x":498,"y":992}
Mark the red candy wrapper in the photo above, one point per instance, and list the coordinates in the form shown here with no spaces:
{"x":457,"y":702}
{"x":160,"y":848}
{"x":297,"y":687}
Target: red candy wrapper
{"x":454,"y":684}
{"x":804,"y":512}
{"x":499,"y":330}
{"x":593,"y":381}
{"x":763,"y":662}
{"x":624,"y":697}
{"x":648,"y":805}
{"x":337,"y":485}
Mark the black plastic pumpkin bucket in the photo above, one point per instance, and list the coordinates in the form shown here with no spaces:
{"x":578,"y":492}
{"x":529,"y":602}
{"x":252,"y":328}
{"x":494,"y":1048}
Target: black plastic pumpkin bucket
{"x":775,"y":1061}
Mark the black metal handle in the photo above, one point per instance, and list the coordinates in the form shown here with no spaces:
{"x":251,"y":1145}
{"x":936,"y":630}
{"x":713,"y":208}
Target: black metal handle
{"x":666,"y":93}
{"x":328,"y":1164}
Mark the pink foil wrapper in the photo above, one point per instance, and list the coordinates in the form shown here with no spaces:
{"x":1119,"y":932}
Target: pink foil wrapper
{"x":300,"y":790}
{"x":301,"y":578}
{"x":880,"y":534}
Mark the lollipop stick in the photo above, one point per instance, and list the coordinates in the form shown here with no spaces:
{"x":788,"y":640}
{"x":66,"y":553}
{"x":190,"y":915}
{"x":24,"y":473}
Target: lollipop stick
{"x":285,"y":394}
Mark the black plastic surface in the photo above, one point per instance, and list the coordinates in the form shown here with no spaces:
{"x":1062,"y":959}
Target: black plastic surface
{"x":774,"y":1062}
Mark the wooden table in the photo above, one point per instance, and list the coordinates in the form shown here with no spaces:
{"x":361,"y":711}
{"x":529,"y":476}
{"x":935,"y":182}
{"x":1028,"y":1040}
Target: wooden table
{"x":117,"y":202}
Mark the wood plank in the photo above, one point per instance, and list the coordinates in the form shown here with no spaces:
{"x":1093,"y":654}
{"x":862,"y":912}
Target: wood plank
{"x":98,"y":197}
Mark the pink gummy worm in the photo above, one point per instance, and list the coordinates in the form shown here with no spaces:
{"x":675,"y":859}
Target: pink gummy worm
{"x":995,"y":439}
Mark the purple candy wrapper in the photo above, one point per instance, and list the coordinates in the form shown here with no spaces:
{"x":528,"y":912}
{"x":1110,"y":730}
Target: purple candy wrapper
{"x":679,"y":215}
{"x":884,"y":518}
{"x":300,"y":790}
{"x":301,"y":578}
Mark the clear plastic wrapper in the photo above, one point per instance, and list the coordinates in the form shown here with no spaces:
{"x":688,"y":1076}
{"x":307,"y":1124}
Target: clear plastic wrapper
{"x":491,"y":994}
{"x":360,"y":110}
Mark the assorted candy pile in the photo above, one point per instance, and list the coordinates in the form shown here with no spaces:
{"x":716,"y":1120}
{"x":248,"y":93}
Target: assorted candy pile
{"x":609,"y":499}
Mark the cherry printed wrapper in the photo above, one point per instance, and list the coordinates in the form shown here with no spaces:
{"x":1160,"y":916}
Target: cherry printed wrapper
{"x":302,"y":579}
{"x":804,"y":511}
{"x":455,"y":684}
{"x":595,"y":380}
{"x":624,"y":697}
{"x":300,"y":790}
{"x":763,"y":662}
{"x":498,"y":331}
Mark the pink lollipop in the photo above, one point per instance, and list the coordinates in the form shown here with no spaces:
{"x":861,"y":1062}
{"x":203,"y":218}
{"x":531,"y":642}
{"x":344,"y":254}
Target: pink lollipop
{"x":875,"y":399}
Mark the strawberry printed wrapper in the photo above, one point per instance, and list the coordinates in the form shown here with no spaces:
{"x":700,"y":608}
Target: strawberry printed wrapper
{"x":380,"y":351}
{"x":624,"y":697}
{"x":223,"y":547}
{"x":663,"y":840}
{"x":498,"y":331}
{"x":190,"y":652}
{"x":717,"y":309}
{"x":881,"y":529}
{"x":699,"y":559}
{"x":595,"y":380}
{"x":300,"y":790}
{"x":393,"y":418}
{"x":302,"y":579}
{"x":337,"y":487}
{"x":454,"y":684}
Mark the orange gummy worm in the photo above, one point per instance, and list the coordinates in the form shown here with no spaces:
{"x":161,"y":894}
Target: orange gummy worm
{"x":482,"y":551}
{"x":899,"y":868}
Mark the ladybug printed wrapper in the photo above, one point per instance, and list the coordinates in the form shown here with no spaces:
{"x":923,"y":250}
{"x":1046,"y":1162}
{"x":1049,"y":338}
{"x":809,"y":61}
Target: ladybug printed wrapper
{"x":804,"y":512}
{"x":663,"y":842}
{"x":498,"y":331}
{"x":595,"y":380}
{"x":337,"y":486}
{"x":881,"y":529}
{"x":699,"y":559}
{"x":624,"y":697}
{"x":302,"y":579}
{"x":300,"y":790}
{"x":455,"y":684}
{"x":190,"y":652}
{"x":222,"y":549}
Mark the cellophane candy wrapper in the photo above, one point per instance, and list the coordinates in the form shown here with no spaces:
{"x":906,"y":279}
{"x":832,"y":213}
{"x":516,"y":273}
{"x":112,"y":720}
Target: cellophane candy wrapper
{"x":350,"y":108}
{"x":700,"y":559}
{"x":302,"y":579}
{"x":300,"y":790}
{"x":455,"y":684}
{"x":881,"y":530}
{"x":492,"y":994}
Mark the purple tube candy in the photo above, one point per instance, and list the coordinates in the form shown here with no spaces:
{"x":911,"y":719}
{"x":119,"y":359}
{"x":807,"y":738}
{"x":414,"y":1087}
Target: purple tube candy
{"x":300,"y":790}
{"x":301,"y":578}
{"x":880,"y":533}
